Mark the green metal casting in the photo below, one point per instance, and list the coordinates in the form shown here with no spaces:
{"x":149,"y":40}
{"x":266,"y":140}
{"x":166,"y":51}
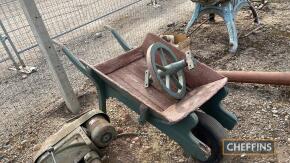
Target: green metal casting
{"x":227,"y":9}
{"x":167,"y":72}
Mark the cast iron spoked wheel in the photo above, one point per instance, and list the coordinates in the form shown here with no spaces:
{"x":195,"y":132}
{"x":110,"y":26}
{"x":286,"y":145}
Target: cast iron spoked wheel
{"x":171,"y":80}
{"x":210,"y":132}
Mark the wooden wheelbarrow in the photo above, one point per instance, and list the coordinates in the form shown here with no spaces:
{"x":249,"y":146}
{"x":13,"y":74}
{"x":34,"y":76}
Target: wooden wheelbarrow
{"x":196,"y":122}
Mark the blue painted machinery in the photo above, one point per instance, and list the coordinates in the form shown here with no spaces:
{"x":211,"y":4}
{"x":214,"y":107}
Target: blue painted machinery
{"x":228,"y":10}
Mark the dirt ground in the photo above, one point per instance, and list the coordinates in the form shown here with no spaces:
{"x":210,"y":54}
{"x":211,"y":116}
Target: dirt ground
{"x":263,"y":111}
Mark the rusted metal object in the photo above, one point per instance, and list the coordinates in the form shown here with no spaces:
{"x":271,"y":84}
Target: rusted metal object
{"x":275,"y":78}
{"x":73,"y":141}
{"x":101,"y":131}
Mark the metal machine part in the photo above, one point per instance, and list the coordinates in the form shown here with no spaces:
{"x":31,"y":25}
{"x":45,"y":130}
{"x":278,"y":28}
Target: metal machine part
{"x":148,"y":79}
{"x":92,"y":157}
{"x":73,"y":142}
{"x":71,"y":148}
{"x":190,"y":61}
{"x":101,"y":132}
{"x":167,"y":70}
{"x":208,"y":2}
{"x":227,"y":9}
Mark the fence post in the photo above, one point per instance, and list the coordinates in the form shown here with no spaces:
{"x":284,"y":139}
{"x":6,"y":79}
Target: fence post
{"x":45,"y":43}
{"x":3,"y":41}
{"x":12,"y":44}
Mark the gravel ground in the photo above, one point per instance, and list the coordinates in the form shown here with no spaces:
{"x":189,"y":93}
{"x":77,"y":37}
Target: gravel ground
{"x":263,"y":110}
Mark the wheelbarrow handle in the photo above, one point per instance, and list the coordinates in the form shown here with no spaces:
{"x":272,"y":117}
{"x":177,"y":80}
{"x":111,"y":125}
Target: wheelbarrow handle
{"x":81,"y":66}
{"x":119,"y":39}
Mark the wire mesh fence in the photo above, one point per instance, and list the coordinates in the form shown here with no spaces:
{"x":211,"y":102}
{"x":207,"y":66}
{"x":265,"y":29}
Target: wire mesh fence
{"x":80,"y":25}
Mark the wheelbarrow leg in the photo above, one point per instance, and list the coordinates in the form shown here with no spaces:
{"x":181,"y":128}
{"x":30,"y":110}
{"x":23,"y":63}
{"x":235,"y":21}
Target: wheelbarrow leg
{"x":214,"y":108}
{"x":101,"y":90}
{"x":181,"y":132}
{"x":102,"y":98}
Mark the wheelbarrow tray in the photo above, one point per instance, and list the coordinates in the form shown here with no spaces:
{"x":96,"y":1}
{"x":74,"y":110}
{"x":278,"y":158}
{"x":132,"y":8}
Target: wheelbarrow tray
{"x":126,"y":74}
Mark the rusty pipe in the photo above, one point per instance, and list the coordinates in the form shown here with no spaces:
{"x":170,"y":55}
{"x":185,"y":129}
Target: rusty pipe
{"x":275,"y":78}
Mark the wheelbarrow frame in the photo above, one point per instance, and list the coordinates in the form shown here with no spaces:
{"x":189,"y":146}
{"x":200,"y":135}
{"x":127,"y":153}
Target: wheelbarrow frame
{"x":180,"y":131}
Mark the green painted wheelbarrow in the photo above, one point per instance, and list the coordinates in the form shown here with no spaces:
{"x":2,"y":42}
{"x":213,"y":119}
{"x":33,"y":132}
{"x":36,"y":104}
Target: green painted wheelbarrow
{"x":193,"y":116}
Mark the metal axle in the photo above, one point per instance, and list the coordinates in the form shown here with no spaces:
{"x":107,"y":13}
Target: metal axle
{"x":171,"y":68}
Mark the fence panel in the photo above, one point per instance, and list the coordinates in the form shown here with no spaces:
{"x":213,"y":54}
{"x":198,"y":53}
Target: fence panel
{"x":80,"y":25}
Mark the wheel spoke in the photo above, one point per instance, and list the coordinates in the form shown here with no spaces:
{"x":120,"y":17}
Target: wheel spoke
{"x":162,"y":68}
{"x":162,"y":57}
{"x":173,"y":78}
